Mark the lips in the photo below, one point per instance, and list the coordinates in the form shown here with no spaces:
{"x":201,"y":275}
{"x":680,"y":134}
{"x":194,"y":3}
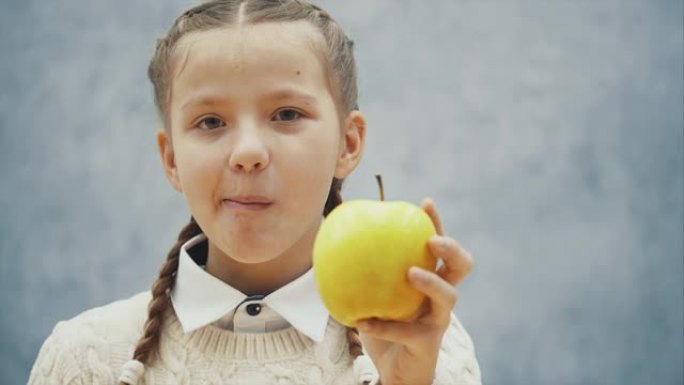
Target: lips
{"x":251,"y":202}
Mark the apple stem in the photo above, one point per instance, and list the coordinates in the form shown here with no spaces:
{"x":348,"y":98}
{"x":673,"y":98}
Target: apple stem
{"x":378,"y":177}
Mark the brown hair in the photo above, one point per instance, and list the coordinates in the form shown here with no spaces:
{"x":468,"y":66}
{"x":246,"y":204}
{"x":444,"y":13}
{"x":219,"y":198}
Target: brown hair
{"x":340,"y":65}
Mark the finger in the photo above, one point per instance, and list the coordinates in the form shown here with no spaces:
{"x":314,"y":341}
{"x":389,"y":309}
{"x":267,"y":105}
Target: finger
{"x":404,"y":333}
{"x":428,"y":205}
{"x":441,"y":293}
{"x":457,"y":261}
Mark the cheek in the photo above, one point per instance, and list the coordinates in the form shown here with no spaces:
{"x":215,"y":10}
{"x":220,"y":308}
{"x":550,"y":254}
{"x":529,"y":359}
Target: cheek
{"x":316,"y":157}
{"x":310,"y":168}
{"x":197,"y":171}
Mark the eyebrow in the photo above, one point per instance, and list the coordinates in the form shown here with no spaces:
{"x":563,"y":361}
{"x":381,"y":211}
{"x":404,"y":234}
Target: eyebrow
{"x":210,"y":99}
{"x":203,"y":100}
{"x":291,"y":93}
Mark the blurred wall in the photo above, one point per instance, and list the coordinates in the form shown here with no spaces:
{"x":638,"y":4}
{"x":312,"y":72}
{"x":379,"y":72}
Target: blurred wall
{"x":549,"y":132}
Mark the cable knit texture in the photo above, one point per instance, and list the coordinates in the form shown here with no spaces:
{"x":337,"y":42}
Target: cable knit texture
{"x":93,"y":348}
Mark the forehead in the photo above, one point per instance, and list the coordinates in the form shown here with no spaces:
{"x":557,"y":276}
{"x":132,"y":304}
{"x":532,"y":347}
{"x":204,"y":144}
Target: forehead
{"x":257,"y":55}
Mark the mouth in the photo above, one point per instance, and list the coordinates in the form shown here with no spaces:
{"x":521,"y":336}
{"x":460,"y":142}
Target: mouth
{"x":250,"y":202}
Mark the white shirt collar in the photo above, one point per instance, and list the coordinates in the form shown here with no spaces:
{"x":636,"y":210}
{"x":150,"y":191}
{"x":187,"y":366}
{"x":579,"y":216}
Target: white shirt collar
{"x":199,"y":298}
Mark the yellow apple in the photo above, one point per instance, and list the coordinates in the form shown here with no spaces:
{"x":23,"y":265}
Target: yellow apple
{"x":361,"y":257}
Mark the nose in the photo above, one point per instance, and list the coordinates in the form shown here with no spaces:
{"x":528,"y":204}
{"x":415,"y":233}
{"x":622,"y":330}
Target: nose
{"x":250,"y":152}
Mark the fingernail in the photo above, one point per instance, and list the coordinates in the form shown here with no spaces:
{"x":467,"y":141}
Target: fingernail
{"x":442,"y":244}
{"x":418,"y":274}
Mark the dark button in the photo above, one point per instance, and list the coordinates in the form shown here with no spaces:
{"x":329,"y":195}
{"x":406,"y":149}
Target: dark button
{"x":253,"y":309}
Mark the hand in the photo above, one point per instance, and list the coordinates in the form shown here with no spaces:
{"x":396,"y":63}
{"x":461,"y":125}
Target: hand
{"x":406,"y":352}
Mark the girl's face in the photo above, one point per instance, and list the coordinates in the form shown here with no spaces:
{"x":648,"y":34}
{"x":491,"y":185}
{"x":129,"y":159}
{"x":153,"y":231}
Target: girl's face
{"x":255,"y":137}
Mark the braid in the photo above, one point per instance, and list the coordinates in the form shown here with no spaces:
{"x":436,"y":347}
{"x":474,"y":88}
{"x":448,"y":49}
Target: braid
{"x":160,"y":302}
{"x":355,"y":347}
{"x":335,"y":199}
{"x":363,"y":365}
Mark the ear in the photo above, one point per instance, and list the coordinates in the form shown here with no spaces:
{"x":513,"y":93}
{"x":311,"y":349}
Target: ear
{"x":168,"y":158}
{"x":351,"y":145}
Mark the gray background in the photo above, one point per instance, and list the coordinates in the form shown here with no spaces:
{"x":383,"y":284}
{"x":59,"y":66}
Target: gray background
{"x":549,"y":132}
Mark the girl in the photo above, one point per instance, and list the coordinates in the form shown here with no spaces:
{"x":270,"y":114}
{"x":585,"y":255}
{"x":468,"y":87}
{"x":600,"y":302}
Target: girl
{"x":258,"y":100}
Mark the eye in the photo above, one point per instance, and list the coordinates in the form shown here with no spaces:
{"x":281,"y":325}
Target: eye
{"x":210,"y":123}
{"x":287,"y":115}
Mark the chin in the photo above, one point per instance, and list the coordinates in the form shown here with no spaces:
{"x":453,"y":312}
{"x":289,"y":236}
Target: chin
{"x":250,"y":251}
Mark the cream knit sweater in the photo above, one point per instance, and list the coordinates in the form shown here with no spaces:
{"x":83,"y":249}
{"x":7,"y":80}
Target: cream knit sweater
{"x":92,"y":348}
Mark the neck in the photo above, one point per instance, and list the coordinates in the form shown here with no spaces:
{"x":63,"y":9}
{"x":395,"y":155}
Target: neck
{"x":265,"y":277}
